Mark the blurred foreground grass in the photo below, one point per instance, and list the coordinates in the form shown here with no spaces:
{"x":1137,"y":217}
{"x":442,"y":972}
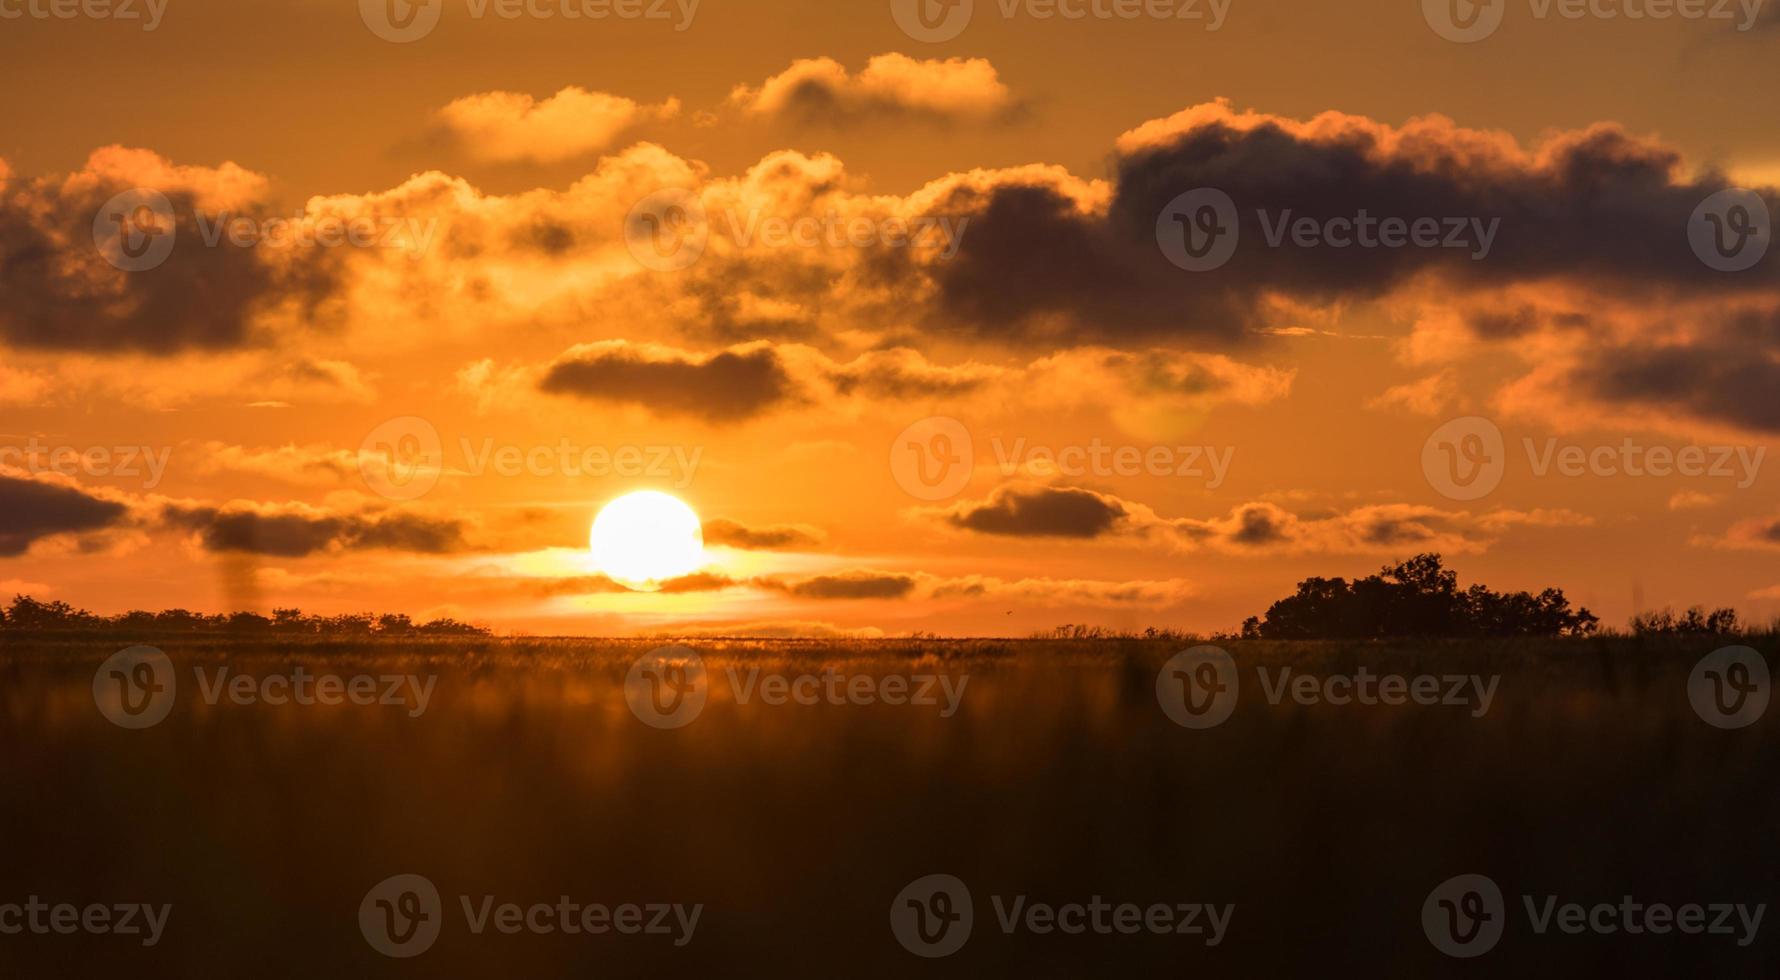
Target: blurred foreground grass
{"x":529,"y":778}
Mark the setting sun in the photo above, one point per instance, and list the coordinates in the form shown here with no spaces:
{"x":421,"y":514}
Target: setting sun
{"x":645,"y":538}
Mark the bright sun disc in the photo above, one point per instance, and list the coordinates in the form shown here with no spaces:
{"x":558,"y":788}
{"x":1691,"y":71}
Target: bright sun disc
{"x":645,"y":538}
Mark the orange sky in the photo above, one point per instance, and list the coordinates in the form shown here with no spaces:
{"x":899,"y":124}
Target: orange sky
{"x":748,"y":253}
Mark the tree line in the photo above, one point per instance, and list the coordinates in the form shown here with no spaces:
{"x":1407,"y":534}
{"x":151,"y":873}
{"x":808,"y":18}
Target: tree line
{"x":1421,"y":598}
{"x":29,"y":614}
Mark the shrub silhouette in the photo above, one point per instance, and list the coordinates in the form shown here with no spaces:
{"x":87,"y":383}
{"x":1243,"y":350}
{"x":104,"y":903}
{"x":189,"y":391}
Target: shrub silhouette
{"x":1415,"y":598}
{"x":1696,"y":621}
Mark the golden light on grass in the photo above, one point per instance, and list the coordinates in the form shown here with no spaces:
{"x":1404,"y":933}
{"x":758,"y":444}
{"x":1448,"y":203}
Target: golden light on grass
{"x":643,"y":539}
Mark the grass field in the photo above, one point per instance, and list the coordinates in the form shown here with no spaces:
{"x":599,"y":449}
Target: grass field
{"x":528,"y":777}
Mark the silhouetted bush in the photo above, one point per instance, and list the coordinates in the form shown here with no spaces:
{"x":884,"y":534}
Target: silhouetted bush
{"x":1416,"y":598}
{"x":1695,"y":622}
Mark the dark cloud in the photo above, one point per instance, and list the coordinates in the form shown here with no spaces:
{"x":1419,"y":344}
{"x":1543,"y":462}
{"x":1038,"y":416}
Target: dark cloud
{"x":1597,"y":207}
{"x":852,"y":585}
{"x":1064,"y":512}
{"x":297,"y":533}
{"x":61,"y":294}
{"x":1722,"y":383}
{"x":31,"y":510}
{"x":734,"y":534}
{"x":726,"y":387}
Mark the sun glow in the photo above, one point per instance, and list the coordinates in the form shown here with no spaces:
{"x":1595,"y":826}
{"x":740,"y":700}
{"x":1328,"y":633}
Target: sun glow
{"x":645,"y":538}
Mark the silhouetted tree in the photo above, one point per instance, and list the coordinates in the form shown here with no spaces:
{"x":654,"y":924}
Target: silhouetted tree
{"x":1415,"y":598}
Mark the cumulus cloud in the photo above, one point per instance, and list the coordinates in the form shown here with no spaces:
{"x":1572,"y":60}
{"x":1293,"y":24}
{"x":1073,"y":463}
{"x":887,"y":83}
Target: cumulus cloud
{"x":1754,"y":534}
{"x":747,"y":381}
{"x":63,"y":295}
{"x":893,"y":86}
{"x":34,"y":509}
{"x":1025,"y":510}
{"x":299,"y":530}
{"x":725,"y":387}
{"x":1429,"y":396}
{"x":1041,"y":511}
{"x":771,"y":537}
{"x":1597,"y":207}
{"x":850,"y":585}
{"x":855,"y":585}
{"x":512,"y":127}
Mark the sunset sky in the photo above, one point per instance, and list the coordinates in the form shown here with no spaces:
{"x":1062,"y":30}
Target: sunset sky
{"x":779,"y":258}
